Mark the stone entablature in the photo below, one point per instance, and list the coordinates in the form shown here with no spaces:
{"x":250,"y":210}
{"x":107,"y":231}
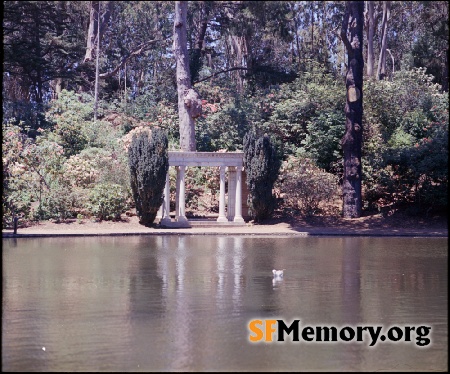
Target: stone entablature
{"x":180,"y":160}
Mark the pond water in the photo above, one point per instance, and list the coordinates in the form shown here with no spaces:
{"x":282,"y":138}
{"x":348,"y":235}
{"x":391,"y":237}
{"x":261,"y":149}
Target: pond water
{"x":184,"y":303}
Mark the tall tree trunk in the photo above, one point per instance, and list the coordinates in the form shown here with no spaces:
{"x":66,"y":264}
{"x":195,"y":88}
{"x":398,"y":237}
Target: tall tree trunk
{"x":381,"y":72}
{"x":96,"y":65}
{"x":189,"y":105}
{"x":352,"y":140}
{"x":240,"y":56}
{"x":196,"y":62}
{"x":370,"y":30}
{"x":94,"y":27}
{"x":38,"y":82}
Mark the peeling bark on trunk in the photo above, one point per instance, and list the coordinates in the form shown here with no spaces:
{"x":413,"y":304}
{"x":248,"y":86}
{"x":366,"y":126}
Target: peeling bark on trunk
{"x":240,"y":53}
{"x":189,"y":105}
{"x":370,"y":30}
{"x":93,"y":27}
{"x":352,"y":140}
{"x":381,"y":72}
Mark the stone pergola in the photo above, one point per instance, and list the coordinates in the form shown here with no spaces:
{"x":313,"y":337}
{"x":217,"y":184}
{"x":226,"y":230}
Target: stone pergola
{"x":180,"y":160}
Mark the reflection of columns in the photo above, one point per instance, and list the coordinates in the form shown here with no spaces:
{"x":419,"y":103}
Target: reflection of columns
{"x":166,"y":203}
{"x":238,"y":198}
{"x":180,"y":265}
{"x":221,"y":257}
{"x":181,"y":194}
{"x":231,"y":193}
{"x":237,"y":269}
{"x":222,"y":217}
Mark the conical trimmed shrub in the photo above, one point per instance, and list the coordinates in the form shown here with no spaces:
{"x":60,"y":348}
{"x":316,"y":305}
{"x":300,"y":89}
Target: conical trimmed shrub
{"x":262,"y":166}
{"x":148,"y":159}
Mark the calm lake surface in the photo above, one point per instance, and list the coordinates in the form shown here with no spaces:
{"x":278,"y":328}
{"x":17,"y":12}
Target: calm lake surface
{"x":184,"y":303}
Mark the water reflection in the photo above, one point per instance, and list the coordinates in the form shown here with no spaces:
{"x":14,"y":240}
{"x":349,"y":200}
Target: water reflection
{"x":179,"y":303}
{"x":351,"y":282}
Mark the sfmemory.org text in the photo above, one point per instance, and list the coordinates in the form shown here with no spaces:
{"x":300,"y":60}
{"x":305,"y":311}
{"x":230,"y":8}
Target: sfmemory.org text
{"x":264,"y":330}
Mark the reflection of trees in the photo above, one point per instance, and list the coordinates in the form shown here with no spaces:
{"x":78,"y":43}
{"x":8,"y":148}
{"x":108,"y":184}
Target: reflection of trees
{"x":401,"y":269}
{"x":145,"y":284}
{"x":351,"y":280}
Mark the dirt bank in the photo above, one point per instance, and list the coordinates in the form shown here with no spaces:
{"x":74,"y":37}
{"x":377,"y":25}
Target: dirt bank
{"x":370,"y":225}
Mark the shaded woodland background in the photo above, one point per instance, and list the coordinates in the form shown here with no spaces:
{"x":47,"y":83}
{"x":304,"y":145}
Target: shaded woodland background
{"x":275,"y":67}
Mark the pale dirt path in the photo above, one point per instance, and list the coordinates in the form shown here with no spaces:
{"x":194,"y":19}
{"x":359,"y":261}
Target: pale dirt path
{"x":367,"y":226}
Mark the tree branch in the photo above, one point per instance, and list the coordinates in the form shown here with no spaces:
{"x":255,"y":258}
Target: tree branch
{"x":220,"y":72}
{"x":141,"y":48}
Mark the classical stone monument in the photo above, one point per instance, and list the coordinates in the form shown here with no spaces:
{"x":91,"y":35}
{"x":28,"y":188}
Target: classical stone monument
{"x":180,"y":160}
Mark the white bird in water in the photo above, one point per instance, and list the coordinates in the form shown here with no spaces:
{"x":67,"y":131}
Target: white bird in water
{"x":278,"y":273}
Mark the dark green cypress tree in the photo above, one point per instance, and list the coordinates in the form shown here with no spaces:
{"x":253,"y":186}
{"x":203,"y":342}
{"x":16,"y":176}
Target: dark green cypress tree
{"x":148,"y":160}
{"x":262,"y":166}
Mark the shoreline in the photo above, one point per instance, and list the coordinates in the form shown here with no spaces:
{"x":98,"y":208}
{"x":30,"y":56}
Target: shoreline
{"x":374,"y":225}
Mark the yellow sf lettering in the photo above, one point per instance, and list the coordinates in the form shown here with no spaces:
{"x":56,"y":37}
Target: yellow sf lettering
{"x":270,"y":329}
{"x":258,"y":332}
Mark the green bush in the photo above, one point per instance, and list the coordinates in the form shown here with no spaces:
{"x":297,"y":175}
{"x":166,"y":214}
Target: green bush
{"x":221,"y":126}
{"x":148,"y":159}
{"x":262,"y":165}
{"x":56,"y":202}
{"x":70,"y":115}
{"x":405,"y":153}
{"x":107,"y":201}
{"x":323,"y":140}
{"x":290,"y":112}
{"x":202,"y":186}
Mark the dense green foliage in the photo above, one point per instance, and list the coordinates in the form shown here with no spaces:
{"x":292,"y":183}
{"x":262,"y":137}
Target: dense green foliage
{"x":406,"y":151}
{"x":43,"y":178}
{"x":149,"y":162}
{"x":276,"y":67}
{"x":262,"y":166}
{"x":107,"y":201}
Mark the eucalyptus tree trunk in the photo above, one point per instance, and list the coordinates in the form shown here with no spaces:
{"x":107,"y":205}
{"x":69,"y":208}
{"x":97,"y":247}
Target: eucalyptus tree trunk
{"x":189,"y":105}
{"x":95,"y":28}
{"x":96,"y":66}
{"x":353,"y":24}
{"x":370,"y":30}
{"x":381,"y":72}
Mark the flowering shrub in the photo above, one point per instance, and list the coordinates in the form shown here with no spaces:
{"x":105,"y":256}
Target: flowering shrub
{"x":80,"y":172}
{"x":306,"y":187}
{"x":16,"y":196}
{"x":125,"y":141}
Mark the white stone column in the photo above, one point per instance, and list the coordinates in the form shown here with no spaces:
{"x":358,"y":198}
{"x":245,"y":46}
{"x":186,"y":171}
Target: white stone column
{"x":166,"y":203}
{"x":222,"y":217}
{"x":160,"y":212}
{"x":231,"y":193}
{"x":181,"y":195}
{"x":238,"y":207}
{"x":177,"y":193}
